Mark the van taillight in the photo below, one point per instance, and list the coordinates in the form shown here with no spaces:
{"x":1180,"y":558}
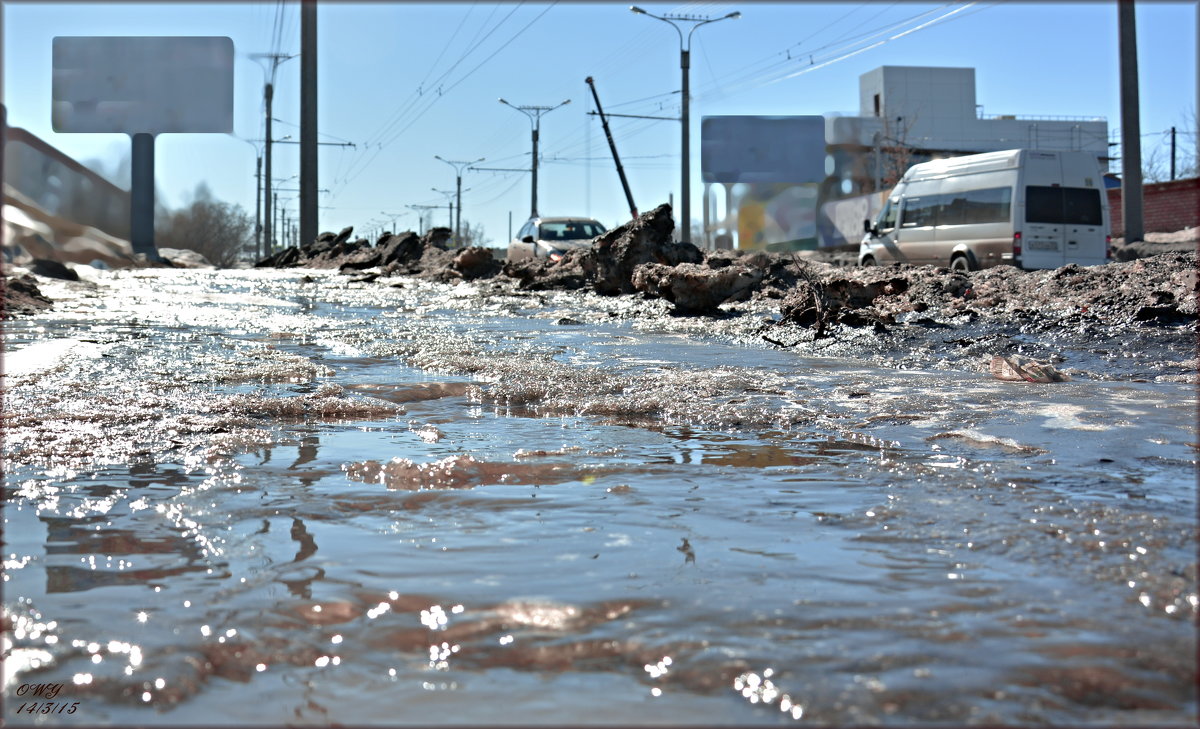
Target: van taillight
{"x":1016,"y":245}
{"x":1108,"y":247}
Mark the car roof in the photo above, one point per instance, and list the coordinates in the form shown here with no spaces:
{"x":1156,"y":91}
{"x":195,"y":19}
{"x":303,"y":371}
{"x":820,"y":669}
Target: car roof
{"x":566,"y":220}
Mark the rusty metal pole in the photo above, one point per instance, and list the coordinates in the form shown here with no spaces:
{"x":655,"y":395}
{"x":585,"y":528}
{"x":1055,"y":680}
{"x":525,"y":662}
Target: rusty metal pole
{"x":1131,"y":129}
{"x":308,"y":121}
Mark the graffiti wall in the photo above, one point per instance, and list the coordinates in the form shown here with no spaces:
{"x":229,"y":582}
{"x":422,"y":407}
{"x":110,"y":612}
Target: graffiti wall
{"x":761,"y":176}
{"x":841,"y":221}
{"x":776,"y":217}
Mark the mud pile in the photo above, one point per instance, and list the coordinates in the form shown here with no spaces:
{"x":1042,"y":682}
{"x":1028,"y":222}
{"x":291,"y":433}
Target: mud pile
{"x":611,"y":265}
{"x":393,"y":254}
{"x":1179,"y":241}
{"x":1156,"y":290}
{"x":21,"y":297}
{"x":640,"y":257}
{"x":329,"y":250}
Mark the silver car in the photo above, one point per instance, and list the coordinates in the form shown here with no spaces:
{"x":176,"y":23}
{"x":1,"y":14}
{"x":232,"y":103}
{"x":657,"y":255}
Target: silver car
{"x":552,"y":237}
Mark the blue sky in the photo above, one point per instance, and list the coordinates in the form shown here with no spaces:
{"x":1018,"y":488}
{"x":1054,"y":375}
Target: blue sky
{"x":406,"y":81}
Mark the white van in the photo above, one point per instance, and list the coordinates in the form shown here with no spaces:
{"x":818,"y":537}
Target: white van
{"x":1021,"y":207}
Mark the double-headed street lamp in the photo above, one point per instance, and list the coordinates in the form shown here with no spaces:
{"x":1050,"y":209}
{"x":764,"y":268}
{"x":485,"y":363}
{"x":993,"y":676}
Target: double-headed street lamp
{"x":458,"y":168}
{"x":394,"y":217}
{"x":535,"y":118}
{"x":449,"y":194}
{"x":685,"y":50}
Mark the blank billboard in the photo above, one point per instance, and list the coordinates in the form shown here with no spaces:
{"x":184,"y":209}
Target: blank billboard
{"x":762,"y":149}
{"x":142,"y":84}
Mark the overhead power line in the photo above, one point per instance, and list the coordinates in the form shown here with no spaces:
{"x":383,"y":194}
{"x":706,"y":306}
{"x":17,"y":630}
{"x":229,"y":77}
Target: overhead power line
{"x":433,"y":100}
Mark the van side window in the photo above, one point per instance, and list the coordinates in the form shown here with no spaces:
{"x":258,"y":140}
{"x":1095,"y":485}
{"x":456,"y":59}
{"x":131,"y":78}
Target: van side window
{"x":887,"y":218}
{"x":919,"y":211}
{"x":974,"y":207}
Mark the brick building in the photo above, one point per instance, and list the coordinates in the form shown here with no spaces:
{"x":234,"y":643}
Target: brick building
{"x":1169,"y":206}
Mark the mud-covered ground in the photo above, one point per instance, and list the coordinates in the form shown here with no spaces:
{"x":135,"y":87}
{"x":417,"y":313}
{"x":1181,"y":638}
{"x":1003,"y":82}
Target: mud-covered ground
{"x":1147,"y":286}
{"x":818,"y":302}
{"x":813,"y":302}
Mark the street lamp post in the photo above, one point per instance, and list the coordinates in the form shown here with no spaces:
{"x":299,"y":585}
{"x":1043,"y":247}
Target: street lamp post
{"x":258,"y":169}
{"x":394,"y":217}
{"x":268,"y":97}
{"x":449,"y":204}
{"x":685,"y":50}
{"x":535,"y":118}
{"x":272,"y":215}
{"x":421,"y":212}
{"x":458,"y":168}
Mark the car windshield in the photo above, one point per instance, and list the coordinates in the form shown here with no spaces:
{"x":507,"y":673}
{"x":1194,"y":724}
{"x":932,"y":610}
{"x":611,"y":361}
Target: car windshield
{"x":570,"y":230}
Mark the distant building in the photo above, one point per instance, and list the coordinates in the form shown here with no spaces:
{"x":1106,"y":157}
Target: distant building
{"x":911,"y":114}
{"x":907,"y":114}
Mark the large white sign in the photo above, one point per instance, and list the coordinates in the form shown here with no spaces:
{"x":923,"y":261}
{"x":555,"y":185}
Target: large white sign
{"x":762,"y":149}
{"x":143,"y":84}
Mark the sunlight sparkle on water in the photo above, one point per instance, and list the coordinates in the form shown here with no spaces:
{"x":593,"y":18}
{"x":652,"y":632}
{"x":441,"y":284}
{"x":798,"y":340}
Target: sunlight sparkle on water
{"x":757,"y":689}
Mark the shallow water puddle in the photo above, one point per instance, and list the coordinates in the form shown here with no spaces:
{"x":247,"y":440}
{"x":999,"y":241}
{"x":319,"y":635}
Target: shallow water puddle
{"x":290,"y":512}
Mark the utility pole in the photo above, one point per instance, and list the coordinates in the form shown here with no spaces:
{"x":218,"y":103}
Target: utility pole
{"x":308,"y":120}
{"x":1131,"y":129}
{"x":685,"y":51}
{"x":258,"y":228}
{"x":268,"y":96}
{"x":458,"y":169}
{"x":535,"y":118}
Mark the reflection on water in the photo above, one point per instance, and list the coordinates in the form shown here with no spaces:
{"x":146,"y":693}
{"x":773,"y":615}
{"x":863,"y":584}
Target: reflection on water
{"x":279,"y":516}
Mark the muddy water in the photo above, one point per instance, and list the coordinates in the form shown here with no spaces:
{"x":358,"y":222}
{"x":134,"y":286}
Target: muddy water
{"x":260,"y":498}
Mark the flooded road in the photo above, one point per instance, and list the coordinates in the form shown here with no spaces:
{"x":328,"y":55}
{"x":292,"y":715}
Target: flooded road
{"x":283,"y":497}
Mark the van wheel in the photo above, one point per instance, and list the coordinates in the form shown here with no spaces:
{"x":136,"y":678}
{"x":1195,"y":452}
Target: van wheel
{"x":868,"y":261}
{"x":960,"y":262}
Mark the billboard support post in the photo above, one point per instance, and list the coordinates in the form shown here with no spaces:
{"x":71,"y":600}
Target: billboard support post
{"x":141,"y":196}
{"x":142,"y":86}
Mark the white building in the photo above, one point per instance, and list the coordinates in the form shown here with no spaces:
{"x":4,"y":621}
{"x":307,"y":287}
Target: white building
{"x":922,"y":113}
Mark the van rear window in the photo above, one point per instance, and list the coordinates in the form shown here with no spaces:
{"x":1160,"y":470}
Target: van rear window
{"x":1063,"y":205}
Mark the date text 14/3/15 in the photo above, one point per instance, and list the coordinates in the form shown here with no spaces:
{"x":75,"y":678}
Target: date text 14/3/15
{"x":48,"y":707}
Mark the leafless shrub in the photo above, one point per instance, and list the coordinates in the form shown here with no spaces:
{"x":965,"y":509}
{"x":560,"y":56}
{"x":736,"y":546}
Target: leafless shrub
{"x":214,"y":229}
